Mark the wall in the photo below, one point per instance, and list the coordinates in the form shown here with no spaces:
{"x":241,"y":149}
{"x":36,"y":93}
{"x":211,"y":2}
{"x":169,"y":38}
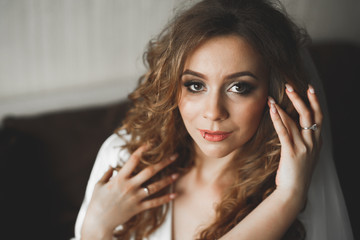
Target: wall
{"x":327,"y":20}
{"x":66,"y":54}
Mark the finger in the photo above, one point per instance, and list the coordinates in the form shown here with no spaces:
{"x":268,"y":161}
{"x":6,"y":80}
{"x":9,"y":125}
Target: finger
{"x":316,"y":108}
{"x":150,"y":171}
{"x":156,"y":201}
{"x":292,"y":128}
{"x":107,"y":175}
{"x":133,"y":161}
{"x":279,"y":126}
{"x":305,"y":114}
{"x":157,"y":186}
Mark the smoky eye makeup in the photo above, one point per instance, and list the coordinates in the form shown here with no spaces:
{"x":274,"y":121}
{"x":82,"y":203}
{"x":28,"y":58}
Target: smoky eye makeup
{"x":234,"y":83}
{"x":241,"y":88}
{"x":194,"y":86}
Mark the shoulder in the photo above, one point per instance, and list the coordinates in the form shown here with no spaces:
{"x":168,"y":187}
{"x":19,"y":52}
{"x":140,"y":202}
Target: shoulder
{"x":112,"y":151}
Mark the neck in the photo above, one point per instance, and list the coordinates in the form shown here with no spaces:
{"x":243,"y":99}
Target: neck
{"x":211,"y":170}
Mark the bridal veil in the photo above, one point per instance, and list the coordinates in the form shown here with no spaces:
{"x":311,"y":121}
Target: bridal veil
{"x":325,"y":216}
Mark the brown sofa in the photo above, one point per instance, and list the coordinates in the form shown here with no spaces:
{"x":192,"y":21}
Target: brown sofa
{"x":46,"y":159}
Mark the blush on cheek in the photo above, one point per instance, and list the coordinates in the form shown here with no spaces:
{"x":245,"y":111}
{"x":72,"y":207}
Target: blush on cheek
{"x":250,"y":114}
{"x":249,"y":107}
{"x":257,"y":110}
{"x":186,"y":108}
{"x":189,"y":106}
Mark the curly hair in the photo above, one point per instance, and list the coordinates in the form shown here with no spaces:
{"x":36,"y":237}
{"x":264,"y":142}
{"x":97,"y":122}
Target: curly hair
{"x":155,"y":118}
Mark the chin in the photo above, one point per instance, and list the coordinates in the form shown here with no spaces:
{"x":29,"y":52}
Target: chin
{"x":216,"y":150}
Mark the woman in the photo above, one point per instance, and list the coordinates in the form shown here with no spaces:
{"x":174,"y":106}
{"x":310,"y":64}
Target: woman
{"x":223,"y":137}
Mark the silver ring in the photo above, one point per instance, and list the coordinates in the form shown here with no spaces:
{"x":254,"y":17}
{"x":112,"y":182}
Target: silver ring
{"x":146,"y":190}
{"x":314,"y":127}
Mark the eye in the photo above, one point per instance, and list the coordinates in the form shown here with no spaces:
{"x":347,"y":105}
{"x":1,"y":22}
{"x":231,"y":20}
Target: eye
{"x":242,"y":88}
{"x":194,"y":86}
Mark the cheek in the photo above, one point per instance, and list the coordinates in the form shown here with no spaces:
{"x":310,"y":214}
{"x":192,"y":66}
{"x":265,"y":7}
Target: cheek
{"x":254,"y":109}
{"x":249,"y":114}
{"x":188,"y":108}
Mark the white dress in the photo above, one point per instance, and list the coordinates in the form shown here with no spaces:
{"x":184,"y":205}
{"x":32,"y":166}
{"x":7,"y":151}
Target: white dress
{"x":325,"y":216}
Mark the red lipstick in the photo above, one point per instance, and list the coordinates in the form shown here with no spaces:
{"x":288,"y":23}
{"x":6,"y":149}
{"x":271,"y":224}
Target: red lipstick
{"x":214,"y":136}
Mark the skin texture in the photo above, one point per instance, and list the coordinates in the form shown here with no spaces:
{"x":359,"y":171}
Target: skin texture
{"x":218,"y":102}
{"x":211,"y":101}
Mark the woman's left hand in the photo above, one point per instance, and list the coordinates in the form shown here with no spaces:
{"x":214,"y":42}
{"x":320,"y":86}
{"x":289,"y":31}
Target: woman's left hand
{"x":299,"y":151}
{"x":300,"y":147}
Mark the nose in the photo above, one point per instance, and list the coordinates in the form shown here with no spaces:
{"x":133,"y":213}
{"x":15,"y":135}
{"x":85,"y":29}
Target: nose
{"x":214,"y":108}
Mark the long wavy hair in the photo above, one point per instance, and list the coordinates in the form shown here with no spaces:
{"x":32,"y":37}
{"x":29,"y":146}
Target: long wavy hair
{"x":155,"y":118}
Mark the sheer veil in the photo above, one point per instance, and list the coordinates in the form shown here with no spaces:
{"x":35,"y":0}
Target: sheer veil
{"x":325,"y":216}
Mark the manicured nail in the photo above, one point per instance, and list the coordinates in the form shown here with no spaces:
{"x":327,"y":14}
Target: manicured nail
{"x":311,"y":89}
{"x":289,"y":88}
{"x":174,"y":176}
{"x":271,"y":100}
{"x":273,"y":108}
{"x":174,"y":157}
{"x":172,"y":195}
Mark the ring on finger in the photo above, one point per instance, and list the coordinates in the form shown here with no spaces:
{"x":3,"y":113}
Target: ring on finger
{"x":146,"y":190}
{"x":313,"y":127}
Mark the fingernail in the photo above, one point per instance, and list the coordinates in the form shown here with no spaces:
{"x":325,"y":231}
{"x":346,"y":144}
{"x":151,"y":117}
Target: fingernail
{"x":273,"y":108}
{"x":271,"y":100}
{"x":174,"y":176}
{"x":172,"y":195}
{"x":311,"y":89}
{"x":173,"y":157}
{"x":289,"y":88}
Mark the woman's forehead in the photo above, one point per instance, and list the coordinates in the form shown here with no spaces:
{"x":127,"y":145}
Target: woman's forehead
{"x":226,"y":55}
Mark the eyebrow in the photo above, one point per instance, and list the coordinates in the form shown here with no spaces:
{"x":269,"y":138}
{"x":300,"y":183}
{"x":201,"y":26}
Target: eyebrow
{"x":229,"y":77}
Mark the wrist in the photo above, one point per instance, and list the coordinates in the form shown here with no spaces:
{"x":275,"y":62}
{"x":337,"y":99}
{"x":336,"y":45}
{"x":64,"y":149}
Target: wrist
{"x":97,"y":234}
{"x":294,"y":198}
{"x":95,"y":231}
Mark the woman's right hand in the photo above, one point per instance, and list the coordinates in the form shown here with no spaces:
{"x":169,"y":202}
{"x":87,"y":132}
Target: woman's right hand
{"x":117,"y":199}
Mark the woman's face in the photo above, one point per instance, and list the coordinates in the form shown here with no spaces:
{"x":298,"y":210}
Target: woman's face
{"x":223,"y":95}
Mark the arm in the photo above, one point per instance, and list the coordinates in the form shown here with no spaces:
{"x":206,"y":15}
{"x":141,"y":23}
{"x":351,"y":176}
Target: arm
{"x":271,"y":219}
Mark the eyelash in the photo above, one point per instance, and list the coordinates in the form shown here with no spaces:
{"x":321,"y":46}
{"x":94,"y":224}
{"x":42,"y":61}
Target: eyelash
{"x":245,"y":88}
{"x":190,"y":84}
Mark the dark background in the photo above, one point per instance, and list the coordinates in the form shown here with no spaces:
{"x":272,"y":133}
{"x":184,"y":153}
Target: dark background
{"x":339,"y":66}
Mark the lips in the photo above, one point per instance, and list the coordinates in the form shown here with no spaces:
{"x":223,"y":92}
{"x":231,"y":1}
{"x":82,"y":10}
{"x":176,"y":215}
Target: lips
{"x":214,"y":136}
